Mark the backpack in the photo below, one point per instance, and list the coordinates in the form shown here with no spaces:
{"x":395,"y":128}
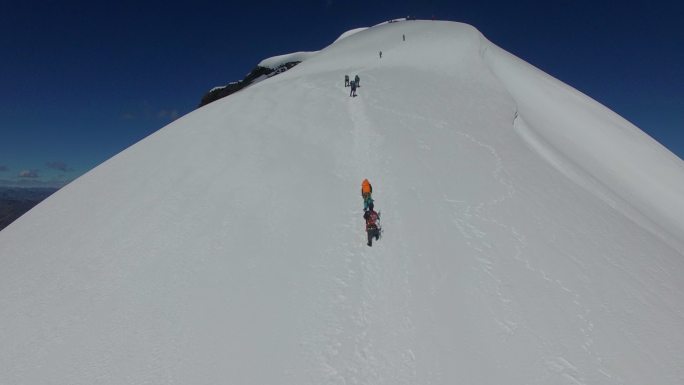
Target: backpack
{"x":371,"y":218}
{"x":366,"y":187}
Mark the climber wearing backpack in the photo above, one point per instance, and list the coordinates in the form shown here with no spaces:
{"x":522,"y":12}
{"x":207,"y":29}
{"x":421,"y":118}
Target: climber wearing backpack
{"x":366,"y":191}
{"x":346,"y":80}
{"x":372,"y":225}
{"x":352,"y":93}
{"x":357,"y":81}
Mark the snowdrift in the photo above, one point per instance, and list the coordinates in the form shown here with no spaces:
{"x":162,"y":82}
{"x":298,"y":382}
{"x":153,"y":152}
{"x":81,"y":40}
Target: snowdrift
{"x":531,"y":235}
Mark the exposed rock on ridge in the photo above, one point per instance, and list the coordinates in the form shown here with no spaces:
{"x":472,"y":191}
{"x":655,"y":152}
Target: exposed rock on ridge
{"x":256,"y":75}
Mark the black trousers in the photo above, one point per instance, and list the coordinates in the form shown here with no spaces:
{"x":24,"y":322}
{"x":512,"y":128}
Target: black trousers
{"x":373,"y":233}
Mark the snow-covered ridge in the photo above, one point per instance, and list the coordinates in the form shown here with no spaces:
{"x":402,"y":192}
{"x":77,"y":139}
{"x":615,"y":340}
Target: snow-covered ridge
{"x":626,"y":161}
{"x":349,"y":33}
{"x":229,"y":246}
{"x":278,"y":61}
{"x":278,"y":64}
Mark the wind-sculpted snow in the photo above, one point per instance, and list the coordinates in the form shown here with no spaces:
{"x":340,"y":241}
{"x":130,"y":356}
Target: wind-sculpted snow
{"x":280,"y":60}
{"x":349,"y":33}
{"x":629,"y":164}
{"x":229,"y":247}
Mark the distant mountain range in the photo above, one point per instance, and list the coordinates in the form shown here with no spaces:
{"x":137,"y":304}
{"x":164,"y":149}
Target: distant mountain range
{"x":14,"y":202}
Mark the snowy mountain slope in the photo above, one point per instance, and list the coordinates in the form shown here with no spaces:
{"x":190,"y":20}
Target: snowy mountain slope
{"x":628,"y":162}
{"x":228,"y":247}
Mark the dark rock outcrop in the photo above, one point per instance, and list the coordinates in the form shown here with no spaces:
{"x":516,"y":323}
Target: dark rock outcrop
{"x":256,"y":75}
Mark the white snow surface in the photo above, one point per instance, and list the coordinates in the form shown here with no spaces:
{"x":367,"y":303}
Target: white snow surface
{"x":350,"y":32}
{"x":531,"y":236}
{"x":276,"y":61}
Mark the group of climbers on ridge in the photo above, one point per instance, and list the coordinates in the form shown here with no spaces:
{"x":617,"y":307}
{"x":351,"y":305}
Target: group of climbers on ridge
{"x":372,"y":217}
{"x":353,"y":84}
{"x":369,"y":214}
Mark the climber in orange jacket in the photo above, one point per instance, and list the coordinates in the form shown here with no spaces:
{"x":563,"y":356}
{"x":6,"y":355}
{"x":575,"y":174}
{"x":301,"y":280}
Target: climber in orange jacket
{"x":366,"y":191}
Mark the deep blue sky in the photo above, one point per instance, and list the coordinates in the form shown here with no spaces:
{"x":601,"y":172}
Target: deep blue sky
{"x":82,"y":80}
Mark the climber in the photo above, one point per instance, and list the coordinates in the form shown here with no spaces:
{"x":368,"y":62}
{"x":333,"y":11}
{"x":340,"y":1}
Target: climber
{"x":366,"y":191}
{"x":353,"y":89}
{"x":346,"y":80}
{"x":372,"y":224}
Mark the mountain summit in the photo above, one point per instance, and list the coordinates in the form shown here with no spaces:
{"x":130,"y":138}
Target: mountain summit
{"x":531,"y":236}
